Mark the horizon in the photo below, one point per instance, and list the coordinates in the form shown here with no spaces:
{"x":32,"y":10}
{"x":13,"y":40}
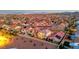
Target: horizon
{"x":34,"y":11}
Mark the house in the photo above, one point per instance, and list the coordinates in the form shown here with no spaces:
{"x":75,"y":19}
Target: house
{"x":55,"y":37}
{"x":58,"y":36}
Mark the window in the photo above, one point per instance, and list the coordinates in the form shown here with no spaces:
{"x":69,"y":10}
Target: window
{"x":58,"y":37}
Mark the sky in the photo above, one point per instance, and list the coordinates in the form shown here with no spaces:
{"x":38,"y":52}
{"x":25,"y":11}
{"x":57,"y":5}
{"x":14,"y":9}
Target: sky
{"x":33,"y":11}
